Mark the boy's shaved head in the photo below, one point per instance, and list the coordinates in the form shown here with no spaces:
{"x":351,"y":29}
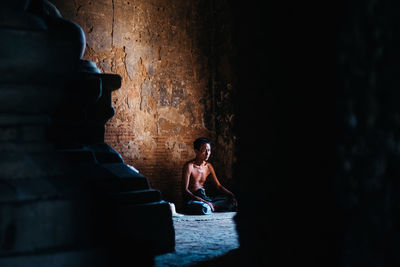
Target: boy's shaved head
{"x":199,"y":141}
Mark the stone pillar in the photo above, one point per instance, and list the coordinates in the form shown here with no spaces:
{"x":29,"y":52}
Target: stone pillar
{"x":66,"y":197}
{"x":318,"y":130}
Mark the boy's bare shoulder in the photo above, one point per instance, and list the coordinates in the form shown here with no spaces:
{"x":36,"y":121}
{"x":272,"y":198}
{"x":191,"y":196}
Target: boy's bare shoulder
{"x":188,"y":164}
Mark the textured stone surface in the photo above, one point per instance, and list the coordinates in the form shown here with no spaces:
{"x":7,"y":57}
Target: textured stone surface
{"x":200,"y":238}
{"x":170,"y":92}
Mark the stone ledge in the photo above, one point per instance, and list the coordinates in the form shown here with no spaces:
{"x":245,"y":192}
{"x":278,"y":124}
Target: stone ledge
{"x":210,"y":217}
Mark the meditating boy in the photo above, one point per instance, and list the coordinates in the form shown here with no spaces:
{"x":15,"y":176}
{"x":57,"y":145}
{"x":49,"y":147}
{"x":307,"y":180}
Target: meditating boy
{"x":194,"y":175}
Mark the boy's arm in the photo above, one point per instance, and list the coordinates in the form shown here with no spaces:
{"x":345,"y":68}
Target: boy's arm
{"x":185,"y":186}
{"x":219,"y":186}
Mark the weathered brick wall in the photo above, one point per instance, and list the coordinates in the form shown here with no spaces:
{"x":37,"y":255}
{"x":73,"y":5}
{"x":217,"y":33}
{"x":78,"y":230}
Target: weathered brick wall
{"x":169,"y":97}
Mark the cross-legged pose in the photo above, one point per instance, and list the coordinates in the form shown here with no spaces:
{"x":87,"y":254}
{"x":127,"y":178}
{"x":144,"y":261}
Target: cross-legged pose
{"x":194,"y":175}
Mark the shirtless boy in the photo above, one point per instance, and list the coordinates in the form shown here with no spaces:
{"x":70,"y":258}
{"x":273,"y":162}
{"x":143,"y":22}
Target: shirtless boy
{"x":194,"y":175}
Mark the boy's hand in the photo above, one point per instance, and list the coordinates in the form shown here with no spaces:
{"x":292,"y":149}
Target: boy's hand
{"x":211,"y":205}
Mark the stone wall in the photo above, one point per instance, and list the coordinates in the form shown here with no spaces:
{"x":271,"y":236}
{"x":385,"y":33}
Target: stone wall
{"x":176,"y":86}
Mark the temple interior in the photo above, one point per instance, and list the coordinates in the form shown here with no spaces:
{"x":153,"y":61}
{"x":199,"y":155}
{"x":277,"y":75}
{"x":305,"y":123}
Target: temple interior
{"x":100,"y":102}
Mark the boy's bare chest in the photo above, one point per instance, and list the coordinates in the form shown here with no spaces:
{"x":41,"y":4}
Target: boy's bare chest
{"x":200,"y":173}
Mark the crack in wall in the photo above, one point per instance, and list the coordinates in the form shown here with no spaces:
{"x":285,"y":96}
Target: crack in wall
{"x":112,"y":25}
